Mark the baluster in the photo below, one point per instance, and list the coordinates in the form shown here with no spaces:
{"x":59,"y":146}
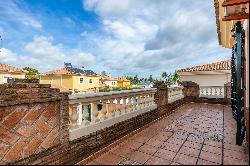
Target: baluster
{"x":79,"y":110}
{"x":124,"y":104}
{"x":146,"y":100}
{"x":128,"y":105}
{"x":111,"y":107}
{"x":118,"y":107}
{"x":94,"y":112}
{"x":213,"y":91}
{"x":86,"y":114}
{"x":222,"y":91}
{"x":133,"y":103}
{"x":74,"y":115}
{"x":104,"y":109}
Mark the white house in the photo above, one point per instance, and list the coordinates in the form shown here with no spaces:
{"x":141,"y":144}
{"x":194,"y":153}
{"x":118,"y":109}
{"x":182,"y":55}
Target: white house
{"x":108,"y":80}
{"x":145,"y":85}
{"x":213,"y":74}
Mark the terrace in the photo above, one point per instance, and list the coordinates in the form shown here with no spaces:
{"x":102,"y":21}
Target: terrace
{"x":185,"y":124}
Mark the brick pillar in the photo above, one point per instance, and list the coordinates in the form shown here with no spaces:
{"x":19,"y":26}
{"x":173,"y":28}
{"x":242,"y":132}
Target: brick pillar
{"x":33,"y":120}
{"x":227,"y":93}
{"x":191,"y":90}
{"x":161,"y":97}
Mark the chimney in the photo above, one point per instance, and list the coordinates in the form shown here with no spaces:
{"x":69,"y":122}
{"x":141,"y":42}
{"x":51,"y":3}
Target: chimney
{"x":82,"y":68}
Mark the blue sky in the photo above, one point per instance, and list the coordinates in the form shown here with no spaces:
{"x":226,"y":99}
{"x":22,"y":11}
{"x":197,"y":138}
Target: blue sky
{"x":121,"y":37}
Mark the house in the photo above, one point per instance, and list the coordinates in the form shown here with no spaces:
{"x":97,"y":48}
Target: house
{"x":109,"y":81}
{"x":74,"y":79}
{"x":213,"y":74}
{"x":9,"y":72}
{"x":232,"y":21}
{"x":145,"y":85}
{"x":123,"y":82}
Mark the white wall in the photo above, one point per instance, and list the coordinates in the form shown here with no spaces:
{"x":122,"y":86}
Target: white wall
{"x":208,"y":80}
{"x":109,"y":83}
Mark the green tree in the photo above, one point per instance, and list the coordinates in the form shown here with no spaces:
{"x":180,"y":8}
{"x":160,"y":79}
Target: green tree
{"x":176,"y":78}
{"x":150,"y":79}
{"x":31,"y":73}
{"x":104,"y":73}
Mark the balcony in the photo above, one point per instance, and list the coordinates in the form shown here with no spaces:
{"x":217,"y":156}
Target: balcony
{"x":194,"y":134}
{"x":184,"y":124}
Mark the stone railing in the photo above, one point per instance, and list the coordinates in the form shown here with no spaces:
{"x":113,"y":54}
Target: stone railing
{"x":212,"y":91}
{"x":175,"y":93}
{"x":92,"y":112}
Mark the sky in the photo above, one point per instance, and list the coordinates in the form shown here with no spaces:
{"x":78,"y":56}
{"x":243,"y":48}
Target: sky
{"x":128,"y":37}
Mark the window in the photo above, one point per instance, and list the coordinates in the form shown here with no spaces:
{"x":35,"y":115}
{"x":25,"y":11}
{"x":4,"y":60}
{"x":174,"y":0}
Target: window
{"x":90,"y":80}
{"x":81,"y":80}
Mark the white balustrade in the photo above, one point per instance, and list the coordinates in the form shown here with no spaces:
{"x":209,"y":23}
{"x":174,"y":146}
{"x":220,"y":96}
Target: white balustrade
{"x":212,"y":91}
{"x":93,"y":112}
{"x":175,"y":93}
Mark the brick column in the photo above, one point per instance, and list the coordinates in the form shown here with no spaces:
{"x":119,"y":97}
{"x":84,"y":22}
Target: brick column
{"x":33,"y":120}
{"x":227,"y":93}
{"x":191,"y":90}
{"x":161,"y":97}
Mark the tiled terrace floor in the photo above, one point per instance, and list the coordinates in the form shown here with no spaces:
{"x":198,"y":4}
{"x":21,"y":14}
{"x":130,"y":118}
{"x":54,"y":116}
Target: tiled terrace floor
{"x":192,"y":135}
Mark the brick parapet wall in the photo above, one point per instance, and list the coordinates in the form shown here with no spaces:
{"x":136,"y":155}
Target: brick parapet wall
{"x":32,"y":119}
{"x":66,"y":152}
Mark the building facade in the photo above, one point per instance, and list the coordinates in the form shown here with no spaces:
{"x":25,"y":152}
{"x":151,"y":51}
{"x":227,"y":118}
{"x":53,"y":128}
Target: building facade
{"x":9,"y":72}
{"x":73,"y":79}
{"x":123,"y":82}
{"x":213,"y":74}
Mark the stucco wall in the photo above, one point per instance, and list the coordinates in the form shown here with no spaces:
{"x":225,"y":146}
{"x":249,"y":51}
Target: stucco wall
{"x":109,"y":83}
{"x":207,"y":80}
{"x":2,"y":75}
{"x":86,"y":84}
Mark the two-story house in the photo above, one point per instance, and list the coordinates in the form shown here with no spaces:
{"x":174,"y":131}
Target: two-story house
{"x":9,"y":72}
{"x":73,"y":79}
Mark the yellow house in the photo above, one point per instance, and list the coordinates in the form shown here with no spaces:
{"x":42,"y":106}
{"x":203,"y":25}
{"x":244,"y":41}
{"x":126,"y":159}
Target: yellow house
{"x":72,"y":79}
{"x":8,"y":72}
{"x":123,"y":82}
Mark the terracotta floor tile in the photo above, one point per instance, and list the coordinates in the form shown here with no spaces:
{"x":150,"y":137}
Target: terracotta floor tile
{"x":211,"y":157}
{"x":138,"y":157}
{"x":171,"y":147}
{"x":157,"y":161}
{"x":165,"y":154}
{"x":212,"y":149}
{"x":148,"y":149}
{"x":122,"y":151}
{"x":233,"y":161}
{"x":155,"y":142}
{"x":213,"y":143}
{"x":189,"y":151}
{"x":185,"y":160}
{"x":109,"y":159}
{"x":235,"y":154}
{"x":194,"y":145}
{"x":204,"y":162}
{"x":132,"y":145}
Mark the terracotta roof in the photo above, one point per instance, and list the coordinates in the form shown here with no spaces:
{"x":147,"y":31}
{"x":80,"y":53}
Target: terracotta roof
{"x":107,"y":78}
{"x":221,"y":65}
{"x":58,"y":71}
{"x":67,"y":70}
{"x":10,"y":69}
{"x":123,"y":79}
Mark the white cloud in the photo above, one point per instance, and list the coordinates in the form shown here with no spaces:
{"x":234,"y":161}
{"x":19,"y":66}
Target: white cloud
{"x":12,"y":11}
{"x":146,"y":36}
{"x":43,"y":54}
